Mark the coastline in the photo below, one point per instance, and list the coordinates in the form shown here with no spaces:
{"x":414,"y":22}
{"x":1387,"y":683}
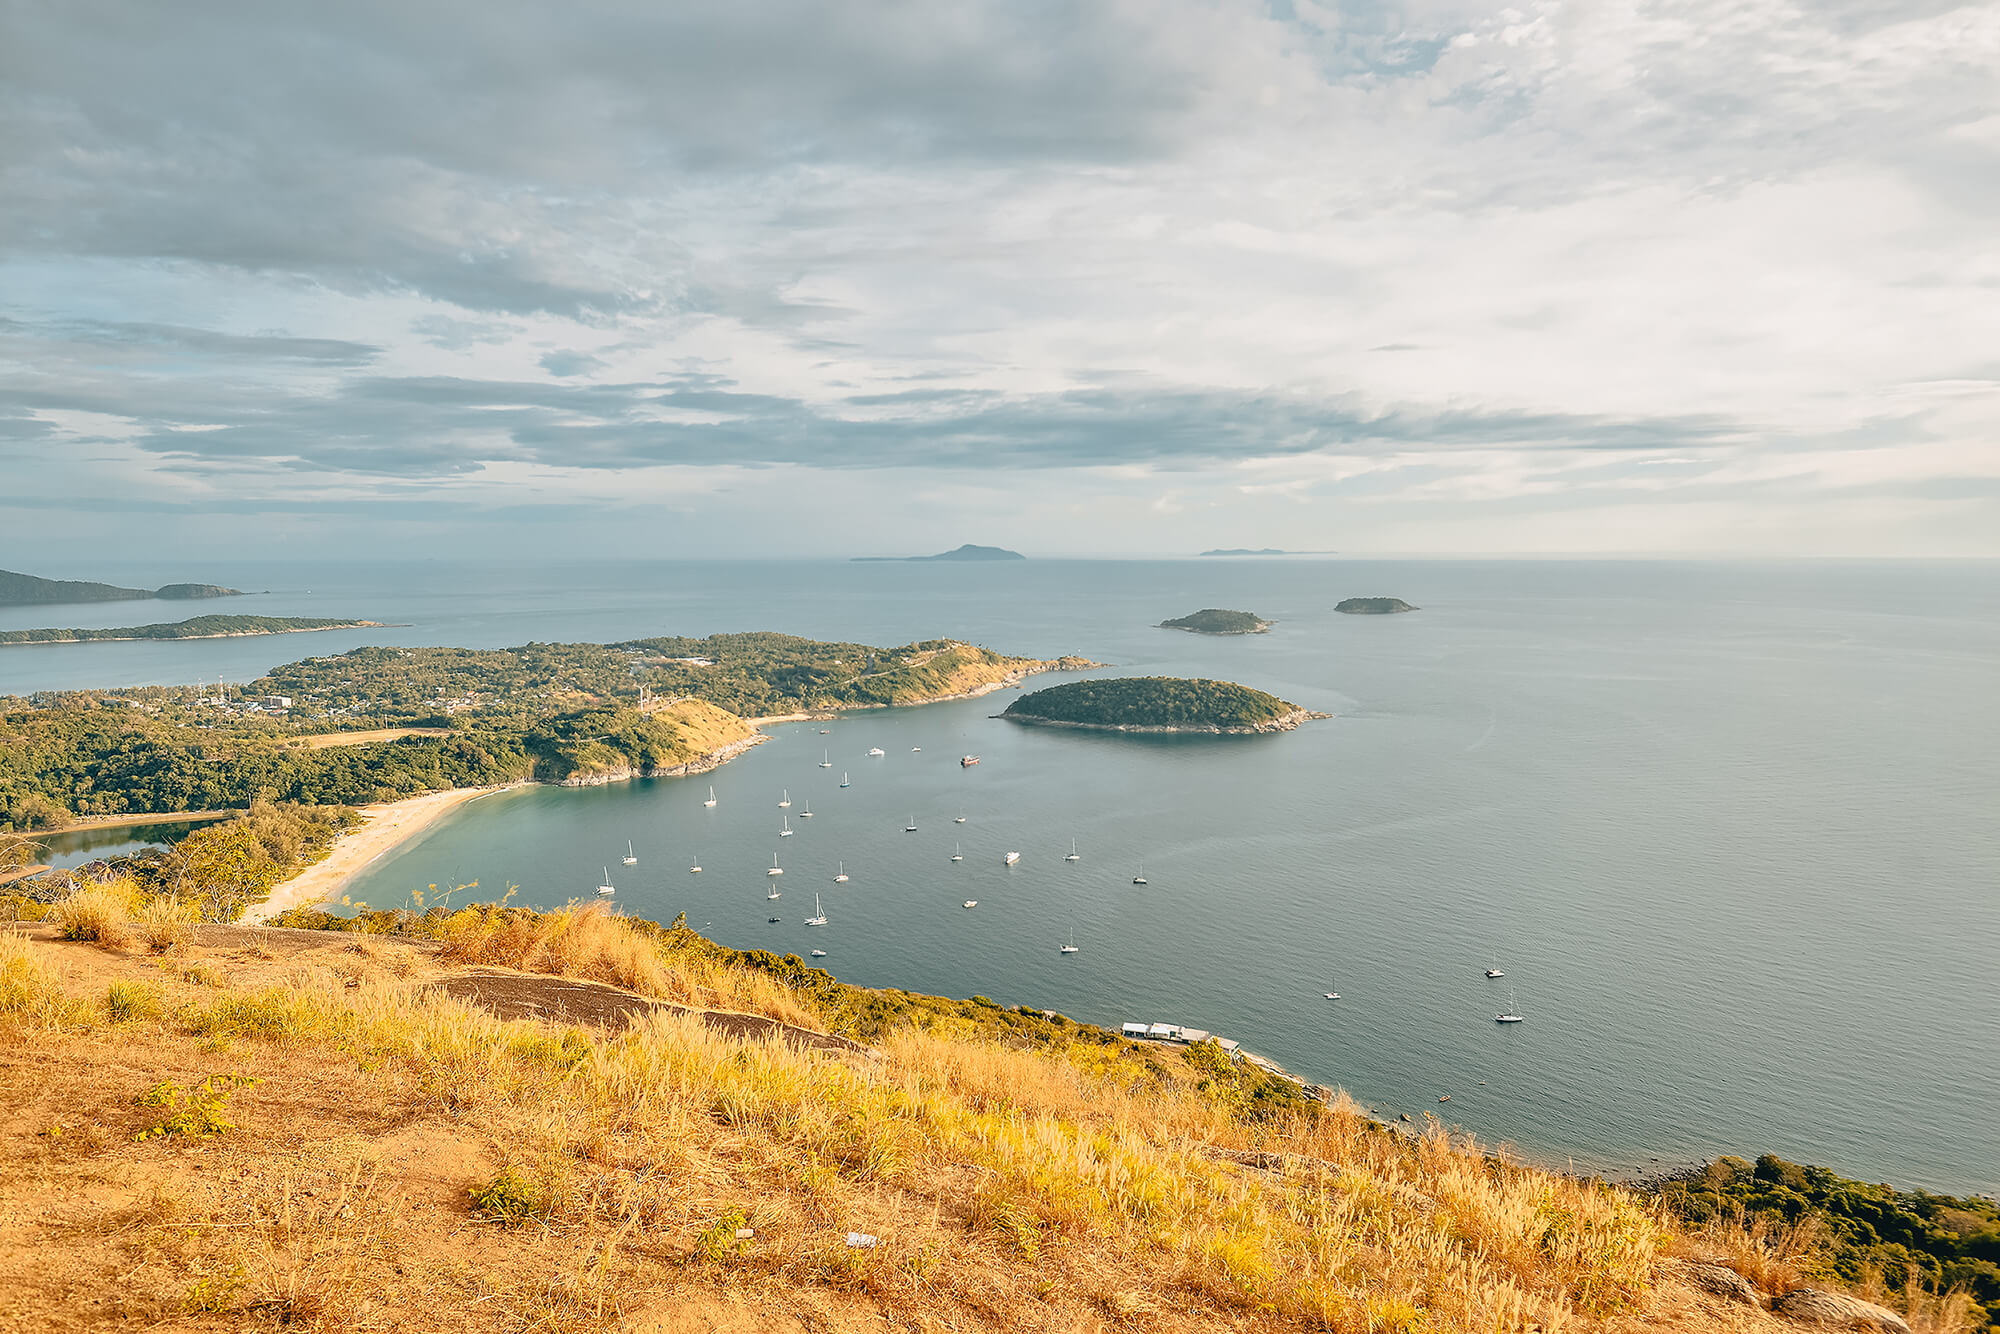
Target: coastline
{"x":387,"y":826}
{"x":181,"y":639}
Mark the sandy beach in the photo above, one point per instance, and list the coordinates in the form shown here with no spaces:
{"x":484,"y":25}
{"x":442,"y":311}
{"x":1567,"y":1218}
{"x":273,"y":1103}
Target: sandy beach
{"x":388,"y":825}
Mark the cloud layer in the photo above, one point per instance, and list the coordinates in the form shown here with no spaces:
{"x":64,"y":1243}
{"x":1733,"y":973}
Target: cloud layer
{"x":1405,"y":276}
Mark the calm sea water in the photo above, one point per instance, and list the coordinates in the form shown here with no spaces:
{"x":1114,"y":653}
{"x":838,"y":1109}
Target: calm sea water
{"x":1729,"y":829}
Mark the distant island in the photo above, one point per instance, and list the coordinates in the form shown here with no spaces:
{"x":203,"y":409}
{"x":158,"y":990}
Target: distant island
{"x":1262,"y":551}
{"x":966,"y":552}
{"x":1372,"y":606}
{"x":20,"y":590}
{"x":195,"y":627}
{"x":1158,"y":704}
{"x":1216,"y":621}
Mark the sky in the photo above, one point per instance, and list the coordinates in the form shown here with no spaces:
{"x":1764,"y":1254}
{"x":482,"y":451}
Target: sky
{"x":794,"y":279}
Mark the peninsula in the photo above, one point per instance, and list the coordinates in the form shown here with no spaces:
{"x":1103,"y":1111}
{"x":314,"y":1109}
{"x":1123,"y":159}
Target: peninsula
{"x":1216,"y":621}
{"x":195,"y":627}
{"x":1158,"y":704}
{"x":1372,"y":606}
{"x":968,"y":552}
{"x":21,"y":590}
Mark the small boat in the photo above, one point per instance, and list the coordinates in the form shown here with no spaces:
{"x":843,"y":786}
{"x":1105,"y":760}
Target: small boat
{"x":1508,"y":1018}
{"x":967,"y":761}
{"x":774,"y":894}
{"x":819,"y":914}
{"x":1495,"y":972}
{"x":1140,"y":878}
{"x":843,"y":778}
{"x":784,"y":799}
{"x":819,"y":954}
{"x":1333,"y":995}
{"x":631,"y":857}
{"x":972,"y":903}
{"x":1074,"y":855}
{"x":875,"y":751}
{"x":711,"y":798}
{"x":915,"y":749}
{"x":960,"y":817}
{"x":1012,"y":857}
{"x":606,"y":887}
{"x":787,"y":831}
{"x":826,"y":760}
{"x":840,"y":875}
{"x":826,"y":731}
{"x":911,"y":827}
{"x":774,"y":920}
{"x":1444,"y":1097}
{"x":956,"y":855}
{"x":1071,"y":947}
{"x":775,"y":869}
{"x":807,"y":813}
{"x":696,"y":868}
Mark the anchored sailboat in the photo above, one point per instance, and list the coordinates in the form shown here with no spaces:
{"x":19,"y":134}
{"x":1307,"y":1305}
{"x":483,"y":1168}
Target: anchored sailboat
{"x":631,"y":857}
{"x":819,"y":914}
{"x":956,"y":855}
{"x":840,"y":874}
{"x":711,"y":798}
{"x":1074,"y":855}
{"x":606,"y":887}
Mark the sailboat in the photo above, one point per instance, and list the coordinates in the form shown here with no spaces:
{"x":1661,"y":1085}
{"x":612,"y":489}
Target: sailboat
{"x":826,"y":761}
{"x":784,"y":799}
{"x":807,"y":813}
{"x":774,"y":894}
{"x":1509,"y":1017}
{"x":1494,"y":971}
{"x":819,"y":914}
{"x":840,"y":874}
{"x":711,"y":798}
{"x":972,"y":903}
{"x":819,"y":954}
{"x":956,"y":855}
{"x":1333,"y":995}
{"x":1011,"y":858}
{"x":787,"y":831}
{"x":911,"y":827}
{"x":606,"y":887}
{"x":1074,"y":855}
{"x":874,"y":751}
{"x":696,"y":868}
{"x":1140,"y":878}
{"x":843,"y":778}
{"x":960,"y":817}
{"x":631,"y":857}
{"x":775,"y":868}
{"x":1071,"y":947}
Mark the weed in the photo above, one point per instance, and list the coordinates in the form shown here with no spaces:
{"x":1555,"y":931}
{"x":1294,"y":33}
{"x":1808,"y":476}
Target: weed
{"x":197,"y":1111}
{"x":165,"y":924}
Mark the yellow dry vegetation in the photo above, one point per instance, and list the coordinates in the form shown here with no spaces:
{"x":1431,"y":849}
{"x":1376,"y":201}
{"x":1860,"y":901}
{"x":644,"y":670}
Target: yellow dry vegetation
{"x":300,"y":1128}
{"x":329,"y":740}
{"x":702,"y":728}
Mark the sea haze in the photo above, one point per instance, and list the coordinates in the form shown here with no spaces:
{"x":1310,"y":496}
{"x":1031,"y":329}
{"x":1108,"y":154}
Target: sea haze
{"x":1728,"y":828}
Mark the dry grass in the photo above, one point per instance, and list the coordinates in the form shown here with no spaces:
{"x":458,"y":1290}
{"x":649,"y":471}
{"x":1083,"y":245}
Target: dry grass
{"x":96,"y":913}
{"x":164,"y":924}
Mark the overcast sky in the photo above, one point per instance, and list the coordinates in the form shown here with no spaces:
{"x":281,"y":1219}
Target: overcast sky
{"x":768,"y":278}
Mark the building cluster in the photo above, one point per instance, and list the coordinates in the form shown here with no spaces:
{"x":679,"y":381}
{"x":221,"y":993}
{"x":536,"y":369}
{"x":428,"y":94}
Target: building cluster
{"x":1181,"y":1036}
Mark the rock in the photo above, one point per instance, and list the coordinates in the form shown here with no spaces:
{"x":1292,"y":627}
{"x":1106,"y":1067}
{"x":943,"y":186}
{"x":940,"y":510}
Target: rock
{"x":1834,"y":1310}
{"x":1720,"y":1281}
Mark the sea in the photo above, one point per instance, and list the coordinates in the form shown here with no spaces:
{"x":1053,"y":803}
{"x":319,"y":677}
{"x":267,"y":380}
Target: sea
{"x":1730,"y":830}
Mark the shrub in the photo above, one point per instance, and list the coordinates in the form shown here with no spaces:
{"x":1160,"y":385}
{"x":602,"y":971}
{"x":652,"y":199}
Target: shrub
{"x":195,"y":1113}
{"x":164,"y":924}
{"x":511,"y":1198}
{"x":96,"y":912}
{"x":129,"y":1002}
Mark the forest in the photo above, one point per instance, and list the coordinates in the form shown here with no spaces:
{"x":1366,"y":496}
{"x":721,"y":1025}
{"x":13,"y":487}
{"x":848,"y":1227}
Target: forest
{"x":195,"y":627}
{"x":1151,"y":701}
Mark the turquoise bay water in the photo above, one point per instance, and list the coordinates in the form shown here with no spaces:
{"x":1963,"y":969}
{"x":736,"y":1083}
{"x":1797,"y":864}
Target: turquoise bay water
{"x":1729,"y":829}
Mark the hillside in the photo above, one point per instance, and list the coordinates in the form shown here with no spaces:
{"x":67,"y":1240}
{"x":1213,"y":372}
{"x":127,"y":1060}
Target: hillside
{"x":1157,"y":704}
{"x":195,"y":627}
{"x":26,"y":589}
{"x":1216,"y":621}
{"x":327,"y":1130}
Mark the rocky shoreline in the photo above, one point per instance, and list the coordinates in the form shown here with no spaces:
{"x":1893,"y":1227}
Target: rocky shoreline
{"x":1282,"y":723}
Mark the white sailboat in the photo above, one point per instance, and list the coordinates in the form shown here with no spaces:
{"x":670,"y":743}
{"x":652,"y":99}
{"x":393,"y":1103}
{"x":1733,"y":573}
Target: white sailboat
{"x":956,"y":855}
{"x":787,"y":831}
{"x":819,"y":954}
{"x":1071,"y":947}
{"x":874,"y":751}
{"x":784,"y":799}
{"x":606,"y":887}
{"x":819,"y":914}
{"x":806,"y":813}
{"x":1333,"y":995}
{"x":911,"y":827}
{"x":774,"y":894}
{"x":711,"y":798}
{"x":826,"y":760}
{"x":696,"y":868}
{"x":843,"y":778}
{"x":775,"y":869}
{"x":1510,"y":1016}
{"x":972,"y":903}
{"x":1140,"y":878}
{"x":1494,"y":971}
{"x":1011,"y":858}
{"x":960,"y":817}
{"x":840,"y":873}
{"x":1074,"y":855}
{"x":631,"y":857}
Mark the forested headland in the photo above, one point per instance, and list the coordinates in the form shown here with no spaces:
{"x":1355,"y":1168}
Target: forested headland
{"x":195,"y":627}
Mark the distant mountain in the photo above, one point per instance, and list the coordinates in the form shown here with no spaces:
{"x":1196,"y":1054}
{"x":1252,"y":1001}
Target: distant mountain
{"x":18,"y":590}
{"x":966,"y":552}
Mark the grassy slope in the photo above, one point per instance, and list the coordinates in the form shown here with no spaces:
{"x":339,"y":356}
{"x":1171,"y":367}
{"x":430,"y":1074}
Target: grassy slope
{"x":1013,"y":1184}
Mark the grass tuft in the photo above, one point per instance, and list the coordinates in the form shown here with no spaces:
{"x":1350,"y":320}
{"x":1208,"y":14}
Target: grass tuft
{"x":96,"y":913}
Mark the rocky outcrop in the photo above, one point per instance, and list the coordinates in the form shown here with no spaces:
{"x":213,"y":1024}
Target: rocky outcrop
{"x":1834,"y":1310}
{"x":1720,"y":1281}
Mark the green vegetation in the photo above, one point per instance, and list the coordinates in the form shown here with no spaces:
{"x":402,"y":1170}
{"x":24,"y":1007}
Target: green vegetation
{"x":547,"y":712}
{"x":1216,"y":621}
{"x":195,"y":627}
{"x":193,"y":1113}
{"x":1871,"y":1232}
{"x":1372,"y":606}
{"x":25,"y":589}
{"x":1152,"y":701}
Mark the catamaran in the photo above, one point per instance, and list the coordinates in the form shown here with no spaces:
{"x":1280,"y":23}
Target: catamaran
{"x":606,"y":887}
{"x":784,"y":799}
{"x":631,"y":857}
{"x":1074,"y":855}
{"x":711,"y":798}
{"x":819,"y":914}
{"x":840,"y":874}
{"x":956,"y":855}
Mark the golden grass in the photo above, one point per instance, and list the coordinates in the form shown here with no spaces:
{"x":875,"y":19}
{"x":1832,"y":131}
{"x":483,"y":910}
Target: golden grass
{"x":96,"y":912}
{"x":164,"y":924}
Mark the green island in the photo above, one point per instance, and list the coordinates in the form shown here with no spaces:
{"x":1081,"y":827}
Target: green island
{"x":1216,"y":621}
{"x":195,"y":627}
{"x":1372,"y":606}
{"x":1157,"y":704}
{"x":379,"y":723}
{"x":18,"y":590}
